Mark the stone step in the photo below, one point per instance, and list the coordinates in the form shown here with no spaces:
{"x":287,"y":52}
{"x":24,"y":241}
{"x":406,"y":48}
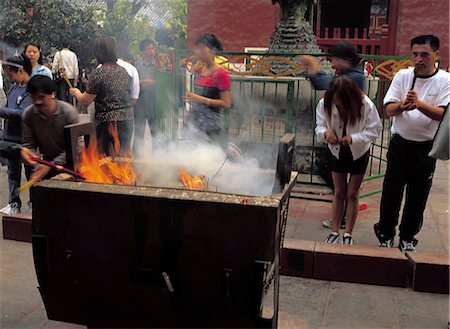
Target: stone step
{"x":17,"y":227}
{"x":297,"y":258}
{"x":360,"y":264}
{"x":429,"y":272}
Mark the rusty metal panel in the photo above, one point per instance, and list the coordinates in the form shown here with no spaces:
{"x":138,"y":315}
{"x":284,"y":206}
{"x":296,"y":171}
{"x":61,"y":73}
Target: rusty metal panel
{"x":125,"y":256}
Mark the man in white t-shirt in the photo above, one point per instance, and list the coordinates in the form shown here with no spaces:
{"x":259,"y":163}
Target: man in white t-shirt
{"x":65,"y":62}
{"x":124,"y":60}
{"x":416,"y":100}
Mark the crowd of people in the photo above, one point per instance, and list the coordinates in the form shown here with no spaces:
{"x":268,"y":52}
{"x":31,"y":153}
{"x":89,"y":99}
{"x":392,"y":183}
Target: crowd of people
{"x":347,"y":120}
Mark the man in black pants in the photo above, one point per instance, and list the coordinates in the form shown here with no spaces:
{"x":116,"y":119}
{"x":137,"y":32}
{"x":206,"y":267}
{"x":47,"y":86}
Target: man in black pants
{"x":416,"y":99}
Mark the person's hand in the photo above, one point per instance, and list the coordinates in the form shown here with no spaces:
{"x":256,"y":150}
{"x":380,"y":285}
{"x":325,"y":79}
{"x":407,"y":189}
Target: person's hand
{"x":147,"y":82}
{"x":331,"y":137}
{"x":346,"y":140}
{"x":40,"y":172}
{"x":310,"y":63}
{"x":193,"y":97}
{"x":412,"y":98}
{"x":74,"y":91}
{"x":406,"y":106}
{"x":27,"y":156}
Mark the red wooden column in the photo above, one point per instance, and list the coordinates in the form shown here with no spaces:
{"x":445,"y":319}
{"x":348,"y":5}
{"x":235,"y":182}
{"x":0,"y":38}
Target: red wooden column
{"x":392,"y":32}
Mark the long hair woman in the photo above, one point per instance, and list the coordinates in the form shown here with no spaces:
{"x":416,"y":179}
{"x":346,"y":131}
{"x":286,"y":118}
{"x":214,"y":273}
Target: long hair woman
{"x":34,"y":53}
{"x":348,"y":122}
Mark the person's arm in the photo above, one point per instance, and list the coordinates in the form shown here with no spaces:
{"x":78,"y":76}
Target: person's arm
{"x":84,"y":98}
{"x":372,"y":126}
{"x":55,"y":65}
{"x":10,"y":150}
{"x":323,"y":133}
{"x":223,"y":102}
{"x":433,"y":112}
{"x":75,"y":68}
{"x":394,"y":101}
{"x":135,"y":88}
{"x":15,"y":113}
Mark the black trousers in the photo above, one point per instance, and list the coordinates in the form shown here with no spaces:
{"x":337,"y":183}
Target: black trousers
{"x":408,"y":166}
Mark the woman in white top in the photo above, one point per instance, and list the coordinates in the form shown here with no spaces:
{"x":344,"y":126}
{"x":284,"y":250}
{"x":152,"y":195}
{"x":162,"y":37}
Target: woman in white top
{"x":348,"y":121}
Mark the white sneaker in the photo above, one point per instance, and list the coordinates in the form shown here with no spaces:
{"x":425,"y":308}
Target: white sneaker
{"x":11,"y":209}
{"x":407,"y":246}
{"x":6,"y":209}
{"x":347,"y":239}
{"x":333,"y":237}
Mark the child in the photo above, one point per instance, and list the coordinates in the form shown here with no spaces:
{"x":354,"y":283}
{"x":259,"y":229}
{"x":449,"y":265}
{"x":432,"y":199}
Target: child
{"x":348,"y":121}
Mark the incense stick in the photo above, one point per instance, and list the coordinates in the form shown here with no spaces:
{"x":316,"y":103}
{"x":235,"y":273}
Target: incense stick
{"x":67,"y":81}
{"x":57,"y":167}
{"x":414,"y":81}
{"x":27,"y":185}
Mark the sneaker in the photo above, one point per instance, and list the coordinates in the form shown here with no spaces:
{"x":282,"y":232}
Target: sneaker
{"x":11,"y":209}
{"x":387,"y":244}
{"x":347,"y":239}
{"x":30,"y":206}
{"x":328,"y":223}
{"x":333,"y":237}
{"x":406,"y":246}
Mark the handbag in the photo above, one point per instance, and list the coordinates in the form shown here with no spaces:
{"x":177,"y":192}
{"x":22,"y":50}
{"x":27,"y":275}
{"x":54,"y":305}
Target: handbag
{"x":440,"y":149}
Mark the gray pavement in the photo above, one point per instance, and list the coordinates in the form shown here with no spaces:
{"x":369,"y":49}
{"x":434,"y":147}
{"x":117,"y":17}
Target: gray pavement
{"x":304,"y":303}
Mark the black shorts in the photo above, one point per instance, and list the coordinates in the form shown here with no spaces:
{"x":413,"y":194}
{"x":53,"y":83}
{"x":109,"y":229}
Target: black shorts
{"x":346,"y":164}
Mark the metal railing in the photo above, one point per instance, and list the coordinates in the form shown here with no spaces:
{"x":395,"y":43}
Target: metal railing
{"x":268,"y":104}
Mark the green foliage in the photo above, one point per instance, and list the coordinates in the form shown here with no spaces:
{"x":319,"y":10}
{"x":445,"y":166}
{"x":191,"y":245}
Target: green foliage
{"x":49,"y":22}
{"x":119,"y":20}
{"x":176,"y":13}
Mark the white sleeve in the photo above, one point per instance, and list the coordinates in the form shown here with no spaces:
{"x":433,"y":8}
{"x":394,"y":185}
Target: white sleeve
{"x":55,"y":65}
{"x":372,"y":124}
{"x":321,"y":122}
{"x":135,"y":87}
{"x":443,"y":98}
{"x":395,"y":93}
{"x":75,"y":66}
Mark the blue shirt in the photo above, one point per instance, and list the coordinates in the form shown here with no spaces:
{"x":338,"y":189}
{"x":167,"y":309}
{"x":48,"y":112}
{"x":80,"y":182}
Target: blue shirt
{"x":42,"y":70}
{"x":17,"y":100}
{"x":321,"y":81}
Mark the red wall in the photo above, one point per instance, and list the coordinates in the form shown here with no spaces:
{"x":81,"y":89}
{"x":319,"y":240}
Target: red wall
{"x":419,"y":17}
{"x":237,"y":23}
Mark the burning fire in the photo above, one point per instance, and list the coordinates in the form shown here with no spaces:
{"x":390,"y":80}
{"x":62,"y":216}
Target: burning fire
{"x":99,"y":168}
{"x":197,"y":182}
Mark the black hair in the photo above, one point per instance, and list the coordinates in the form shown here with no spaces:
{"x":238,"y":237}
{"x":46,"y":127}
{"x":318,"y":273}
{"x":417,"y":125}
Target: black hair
{"x":210,"y":41}
{"x":41,"y":84}
{"x":145,"y":43}
{"x":20,"y":61}
{"x":429,"y":39}
{"x":38,"y":46}
{"x":346,"y":51}
{"x":105,"y":50}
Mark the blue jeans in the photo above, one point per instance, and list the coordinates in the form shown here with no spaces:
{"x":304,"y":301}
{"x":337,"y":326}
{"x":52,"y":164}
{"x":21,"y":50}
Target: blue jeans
{"x":14,"y":179}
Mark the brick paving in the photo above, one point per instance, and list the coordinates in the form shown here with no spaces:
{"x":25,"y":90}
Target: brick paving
{"x":304,"y":303}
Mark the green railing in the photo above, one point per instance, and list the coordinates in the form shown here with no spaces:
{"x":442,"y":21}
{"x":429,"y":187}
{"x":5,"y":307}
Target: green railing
{"x":267,"y":106}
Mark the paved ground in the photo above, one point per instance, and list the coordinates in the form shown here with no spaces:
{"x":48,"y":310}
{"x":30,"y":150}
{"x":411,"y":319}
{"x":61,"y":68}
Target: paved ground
{"x":304,"y":303}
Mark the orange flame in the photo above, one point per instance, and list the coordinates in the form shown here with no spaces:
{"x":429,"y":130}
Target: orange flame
{"x":196,"y":182}
{"x":96,"y":167}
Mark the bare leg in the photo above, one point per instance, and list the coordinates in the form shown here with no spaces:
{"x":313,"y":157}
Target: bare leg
{"x":352,"y":201}
{"x":340,"y":191}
